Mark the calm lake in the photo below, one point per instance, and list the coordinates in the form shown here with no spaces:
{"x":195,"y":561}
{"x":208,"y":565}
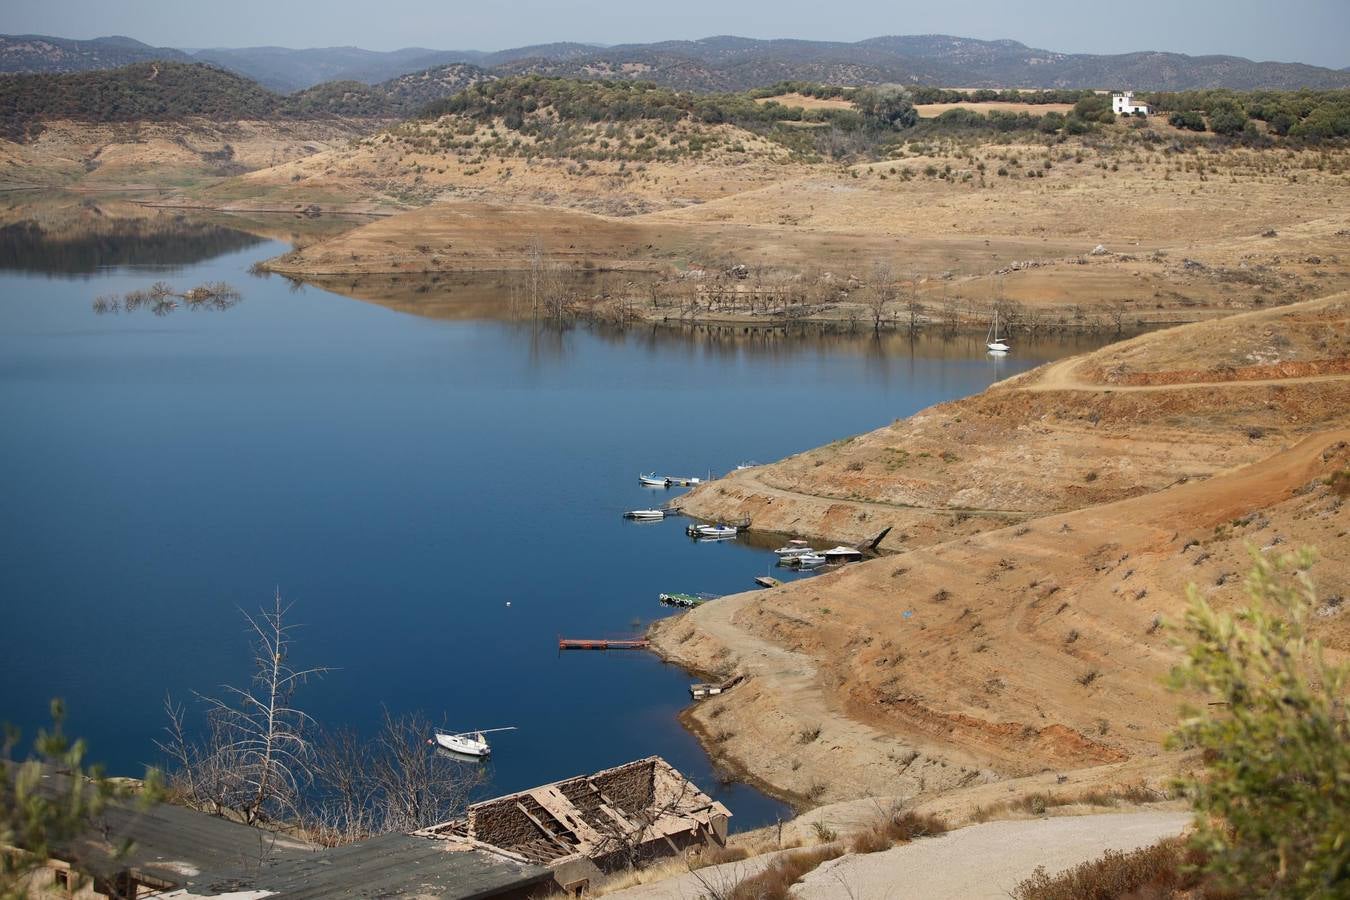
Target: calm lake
{"x":438,"y":499}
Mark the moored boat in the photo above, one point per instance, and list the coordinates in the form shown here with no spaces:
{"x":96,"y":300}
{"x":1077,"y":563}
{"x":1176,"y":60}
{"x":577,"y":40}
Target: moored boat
{"x":688,"y":601}
{"x":468,"y":743}
{"x":794,"y":548}
{"x":712,"y":531}
{"x":842,"y":554}
{"x":653,"y":480}
{"x":646,"y":514}
{"x":805,"y":561}
{"x":995,"y":343}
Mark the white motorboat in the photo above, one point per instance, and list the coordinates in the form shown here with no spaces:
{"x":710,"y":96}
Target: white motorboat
{"x":645,"y":515}
{"x":806,"y":561}
{"x":718,"y":532}
{"x":653,"y":480}
{"x":995,"y":343}
{"x":794,"y":548}
{"x":469,"y":743}
{"x":843,"y":554}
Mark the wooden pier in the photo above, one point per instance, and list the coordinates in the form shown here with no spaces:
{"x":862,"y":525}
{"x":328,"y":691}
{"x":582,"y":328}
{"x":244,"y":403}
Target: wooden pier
{"x":602,"y":644}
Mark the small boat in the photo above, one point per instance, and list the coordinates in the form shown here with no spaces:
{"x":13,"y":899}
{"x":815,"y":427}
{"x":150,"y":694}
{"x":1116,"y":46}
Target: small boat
{"x":646,"y":515}
{"x":843,"y":554}
{"x":805,"y":561}
{"x":995,"y":343}
{"x":469,"y":743}
{"x":653,"y":480}
{"x":712,"y":532}
{"x":688,"y":601}
{"x":740,"y":467}
{"x":681,"y":481}
{"x":794,"y":548}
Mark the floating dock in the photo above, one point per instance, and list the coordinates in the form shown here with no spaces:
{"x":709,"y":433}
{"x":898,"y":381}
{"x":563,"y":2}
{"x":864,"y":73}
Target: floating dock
{"x":765,"y":581}
{"x":602,"y":644}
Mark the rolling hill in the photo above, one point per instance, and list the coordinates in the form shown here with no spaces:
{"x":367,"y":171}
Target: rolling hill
{"x":711,"y":64}
{"x":35,"y":53}
{"x":173,"y":91}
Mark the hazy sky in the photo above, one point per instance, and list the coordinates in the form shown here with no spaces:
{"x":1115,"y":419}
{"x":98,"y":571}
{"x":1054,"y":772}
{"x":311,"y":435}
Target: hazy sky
{"x":1313,"y":31}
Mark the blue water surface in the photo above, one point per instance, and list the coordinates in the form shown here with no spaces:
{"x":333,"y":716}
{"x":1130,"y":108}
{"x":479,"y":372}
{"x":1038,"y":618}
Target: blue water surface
{"x":438,"y":501}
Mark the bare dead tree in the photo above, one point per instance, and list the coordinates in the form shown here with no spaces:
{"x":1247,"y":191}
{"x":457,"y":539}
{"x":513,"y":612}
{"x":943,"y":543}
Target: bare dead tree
{"x":534,"y":274}
{"x":256,"y":757}
{"x":914,"y":308}
{"x":392,"y":783}
{"x":881,"y":293}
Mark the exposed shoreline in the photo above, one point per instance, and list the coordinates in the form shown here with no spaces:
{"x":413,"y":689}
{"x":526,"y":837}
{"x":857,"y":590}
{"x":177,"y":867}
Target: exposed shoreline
{"x":816,"y":718}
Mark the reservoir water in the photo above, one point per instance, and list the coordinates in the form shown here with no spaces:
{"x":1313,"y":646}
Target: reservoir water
{"x":438,"y":499}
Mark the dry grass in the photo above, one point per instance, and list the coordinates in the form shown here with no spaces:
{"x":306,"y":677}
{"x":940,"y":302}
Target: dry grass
{"x":676,"y":866}
{"x":1166,"y":869}
{"x":896,"y":828}
{"x":933,"y":110}
{"x":801,"y":101}
{"x":775,"y":882}
{"x":1038,"y":803}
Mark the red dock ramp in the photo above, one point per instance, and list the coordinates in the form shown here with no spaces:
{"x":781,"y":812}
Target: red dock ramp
{"x":601,"y":644}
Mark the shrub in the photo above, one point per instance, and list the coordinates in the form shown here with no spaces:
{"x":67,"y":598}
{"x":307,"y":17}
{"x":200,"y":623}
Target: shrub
{"x":775,"y":882}
{"x":1154,"y":871}
{"x":1273,"y":803}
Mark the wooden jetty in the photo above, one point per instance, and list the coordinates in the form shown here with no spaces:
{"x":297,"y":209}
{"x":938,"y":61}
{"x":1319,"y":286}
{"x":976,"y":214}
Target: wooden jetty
{"x":766,"y":581}
{"x":602,"y":644}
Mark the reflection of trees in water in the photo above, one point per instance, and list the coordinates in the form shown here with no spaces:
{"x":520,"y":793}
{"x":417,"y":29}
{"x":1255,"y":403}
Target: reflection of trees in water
{"x":163,"y":241}
{"x":160,"y":299}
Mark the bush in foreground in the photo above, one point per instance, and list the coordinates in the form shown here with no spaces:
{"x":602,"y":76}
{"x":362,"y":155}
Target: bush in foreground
{"x":1157,"y":871}
{"x":1273,"y":801}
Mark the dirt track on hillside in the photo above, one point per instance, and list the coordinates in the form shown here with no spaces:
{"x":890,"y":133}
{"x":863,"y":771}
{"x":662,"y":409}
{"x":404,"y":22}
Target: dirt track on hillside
{"x":998,"y":651}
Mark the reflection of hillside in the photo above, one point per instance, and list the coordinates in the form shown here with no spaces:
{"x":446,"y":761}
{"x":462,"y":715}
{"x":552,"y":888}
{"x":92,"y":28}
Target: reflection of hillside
{"x":472,"y":295}
{"x":499,"y":296}
{"x":67,"y":235}
{"x":64,"y":236}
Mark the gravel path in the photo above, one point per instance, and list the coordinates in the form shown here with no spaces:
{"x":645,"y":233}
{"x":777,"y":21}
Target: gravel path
{"x":985,"y":861}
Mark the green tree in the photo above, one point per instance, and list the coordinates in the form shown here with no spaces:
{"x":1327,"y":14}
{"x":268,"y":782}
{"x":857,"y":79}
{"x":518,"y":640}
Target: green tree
{"x":1226,"y":117}
{"x":1094,"y":108}
{"x":1189,"y":119}
{"x":1273,"y":802}
{"x":38,"y":814}
{"x":886,"y":108}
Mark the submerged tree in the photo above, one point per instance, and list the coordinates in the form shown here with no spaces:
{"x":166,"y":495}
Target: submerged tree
{"x":1273,"y":801}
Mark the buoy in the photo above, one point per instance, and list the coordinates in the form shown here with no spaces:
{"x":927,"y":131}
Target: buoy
{"x":508,"y":602}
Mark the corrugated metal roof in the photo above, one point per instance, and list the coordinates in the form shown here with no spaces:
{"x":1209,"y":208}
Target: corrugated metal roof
{"x":391,"y":865}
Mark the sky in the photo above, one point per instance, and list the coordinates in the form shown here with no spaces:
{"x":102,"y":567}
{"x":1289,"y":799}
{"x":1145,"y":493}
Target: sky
{"x":1311,"y":31}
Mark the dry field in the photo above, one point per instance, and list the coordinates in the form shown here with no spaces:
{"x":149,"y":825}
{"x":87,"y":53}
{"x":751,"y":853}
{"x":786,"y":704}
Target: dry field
{"x":802,"y":101}
{"x":933,"y":110}
{"x":1184,"y":237}
{"x":1044,"y":533}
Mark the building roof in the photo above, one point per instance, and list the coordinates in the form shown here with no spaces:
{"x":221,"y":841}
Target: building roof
{"x":166,"y":843}
{"x":590,"y":816}
{"x":195,"y":854}
{"x":390,"y":865}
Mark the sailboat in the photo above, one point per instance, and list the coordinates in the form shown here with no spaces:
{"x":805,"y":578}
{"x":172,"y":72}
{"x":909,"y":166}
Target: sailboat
{"x":469,"y":743}
{"x":995,"y":343}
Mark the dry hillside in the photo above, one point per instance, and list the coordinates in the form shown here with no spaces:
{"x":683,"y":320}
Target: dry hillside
{"x":1045,"y":530}
{"x":1183,"y":236}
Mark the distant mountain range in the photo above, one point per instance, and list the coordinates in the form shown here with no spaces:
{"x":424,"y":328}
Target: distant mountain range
{"x":716,"y":63}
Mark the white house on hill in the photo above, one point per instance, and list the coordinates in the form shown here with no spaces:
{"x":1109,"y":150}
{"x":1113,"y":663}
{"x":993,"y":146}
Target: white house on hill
{"x":1125,"y":105}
